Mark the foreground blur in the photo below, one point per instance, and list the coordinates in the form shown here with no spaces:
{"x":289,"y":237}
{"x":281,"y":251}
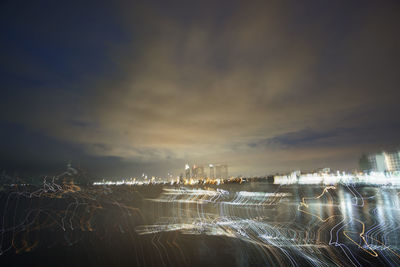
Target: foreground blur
{"x":254,"y":223}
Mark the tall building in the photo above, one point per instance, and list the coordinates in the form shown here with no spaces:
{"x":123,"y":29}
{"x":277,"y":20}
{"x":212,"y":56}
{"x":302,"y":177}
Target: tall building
{"x":385,"y":161}
{"x":392,"y":161}
{"x":187,"y":171}
{"x":198,"y":171}
{"x":212,"y":171}
{"x":377,"y":162}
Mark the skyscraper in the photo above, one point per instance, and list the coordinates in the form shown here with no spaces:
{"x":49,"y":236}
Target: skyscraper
{"x":212,"y":171}
{"x":392,"y":161}
{"x":377,"y":162}
{"x":385,"y":161}
{"x":198,"y":171}
{"x":187,"y":171}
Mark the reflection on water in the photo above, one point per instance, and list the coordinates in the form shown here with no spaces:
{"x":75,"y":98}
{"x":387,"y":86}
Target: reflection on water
{"x":230,"y":225}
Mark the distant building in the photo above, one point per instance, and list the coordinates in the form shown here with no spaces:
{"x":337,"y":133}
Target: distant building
{"x":392,"y":160}
{"x":385,"y":161}
{"x":212,"y":171}
{"x":198,"y":171}
{"x":187,"y":171}
{"x":377,"y":162}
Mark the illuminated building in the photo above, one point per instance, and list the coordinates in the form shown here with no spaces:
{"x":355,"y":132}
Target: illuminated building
{"x":219,"y":171}
{"x":377,"y":162}
{"x":392,"y":160}
{"x":212,"y":171}
{"x":198,"y":171}
{"x":385,"y":161}
{"x":187,"y":171}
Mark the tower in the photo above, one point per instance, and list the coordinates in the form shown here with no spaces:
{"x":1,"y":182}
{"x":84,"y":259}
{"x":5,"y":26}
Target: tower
{"x":187,"y":171}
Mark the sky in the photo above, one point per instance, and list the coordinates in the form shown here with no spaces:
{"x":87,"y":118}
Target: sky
{"x":122,"y":88}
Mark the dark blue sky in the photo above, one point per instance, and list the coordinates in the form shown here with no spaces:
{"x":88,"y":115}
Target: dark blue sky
{"x":126,"y":87}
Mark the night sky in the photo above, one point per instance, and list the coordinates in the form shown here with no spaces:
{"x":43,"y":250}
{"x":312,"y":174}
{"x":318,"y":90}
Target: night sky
{"x":125,"y":87}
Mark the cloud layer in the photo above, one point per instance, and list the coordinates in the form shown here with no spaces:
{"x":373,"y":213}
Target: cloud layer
{"x":262,"y":86}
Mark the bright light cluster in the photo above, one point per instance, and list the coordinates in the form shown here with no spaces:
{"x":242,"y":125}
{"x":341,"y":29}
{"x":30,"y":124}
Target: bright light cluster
{"x":373,"y":178}
{"x":190,"y":181}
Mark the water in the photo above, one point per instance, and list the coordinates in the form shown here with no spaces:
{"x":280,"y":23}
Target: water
{"x":249,"y":224}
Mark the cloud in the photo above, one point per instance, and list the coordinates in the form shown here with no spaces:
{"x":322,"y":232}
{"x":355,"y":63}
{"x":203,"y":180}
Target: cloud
{"x":207,"y":83}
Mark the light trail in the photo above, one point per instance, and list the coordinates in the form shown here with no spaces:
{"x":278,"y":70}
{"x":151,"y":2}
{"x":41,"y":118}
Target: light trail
{"x":300,"y":225}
